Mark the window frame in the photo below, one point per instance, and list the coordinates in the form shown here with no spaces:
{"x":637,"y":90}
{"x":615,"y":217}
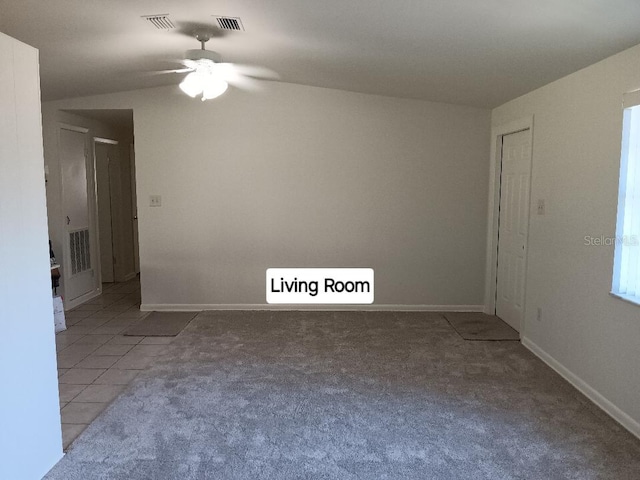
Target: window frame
{"x":622,"y":260}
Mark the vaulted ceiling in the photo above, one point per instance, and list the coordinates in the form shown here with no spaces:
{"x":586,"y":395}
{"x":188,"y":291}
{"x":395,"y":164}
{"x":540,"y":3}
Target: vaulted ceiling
{"x":471,"y":52}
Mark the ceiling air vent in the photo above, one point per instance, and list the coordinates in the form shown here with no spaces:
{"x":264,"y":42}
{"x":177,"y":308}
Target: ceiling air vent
{"x":229,"y":23}
{"x":161,"y":22}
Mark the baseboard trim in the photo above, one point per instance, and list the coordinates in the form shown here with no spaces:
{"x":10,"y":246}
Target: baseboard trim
{"x":167,"y":307}
{"x":71,"y":304}
{"x":129,"y":276}
{"x":591,"y":393}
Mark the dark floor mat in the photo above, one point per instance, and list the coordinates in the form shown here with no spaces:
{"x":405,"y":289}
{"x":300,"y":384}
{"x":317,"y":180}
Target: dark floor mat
{"x":161,"y":324}
{"x":480,"y":326}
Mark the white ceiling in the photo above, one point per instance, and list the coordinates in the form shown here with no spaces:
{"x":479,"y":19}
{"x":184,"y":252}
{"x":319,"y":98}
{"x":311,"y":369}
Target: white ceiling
{"x":471,"y":52}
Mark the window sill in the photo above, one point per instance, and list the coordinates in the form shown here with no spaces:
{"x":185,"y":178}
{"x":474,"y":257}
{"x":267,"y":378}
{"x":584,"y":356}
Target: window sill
{"x":626,"y":298}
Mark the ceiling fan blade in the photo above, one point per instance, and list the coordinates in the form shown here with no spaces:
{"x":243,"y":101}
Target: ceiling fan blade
{"x":178,"y":70}
{"x":244,"y":83}
{"x":251,"y":71}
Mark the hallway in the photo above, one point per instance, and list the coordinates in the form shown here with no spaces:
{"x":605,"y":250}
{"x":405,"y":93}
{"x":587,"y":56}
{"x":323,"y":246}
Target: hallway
{"x":95,"y":360}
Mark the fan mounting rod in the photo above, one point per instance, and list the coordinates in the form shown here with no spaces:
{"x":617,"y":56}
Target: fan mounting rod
{"x":203,"y":36}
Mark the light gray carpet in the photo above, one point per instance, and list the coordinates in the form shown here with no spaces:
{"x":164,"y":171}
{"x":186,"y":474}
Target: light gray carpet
{"x":347,"y":395}
{"x":479,"y":326}
{"x":161,"y":324}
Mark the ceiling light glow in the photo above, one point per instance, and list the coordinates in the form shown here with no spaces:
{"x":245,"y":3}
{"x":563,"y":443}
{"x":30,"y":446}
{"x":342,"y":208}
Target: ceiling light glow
{"x":204,"y":82}
{"x":213,"y":88}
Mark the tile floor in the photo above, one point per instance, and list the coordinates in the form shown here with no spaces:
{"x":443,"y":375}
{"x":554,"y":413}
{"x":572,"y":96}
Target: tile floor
{"x":95,"y":361}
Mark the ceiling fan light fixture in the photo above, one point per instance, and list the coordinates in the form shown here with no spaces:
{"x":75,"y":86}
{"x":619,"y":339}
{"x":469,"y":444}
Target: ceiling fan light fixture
{"x":206,"y":83}
{"x":192,"y":84}
{"x":210,"y":77}
{"x":214,"y":87}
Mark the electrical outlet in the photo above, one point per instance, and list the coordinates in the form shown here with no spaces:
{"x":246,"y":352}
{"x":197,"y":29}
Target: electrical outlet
{"x":155,"y":200}
{"x":539,"y":317}
{"x":541,"y":206}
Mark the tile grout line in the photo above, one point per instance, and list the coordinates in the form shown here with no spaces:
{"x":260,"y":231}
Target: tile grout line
{"x":105,"y":318}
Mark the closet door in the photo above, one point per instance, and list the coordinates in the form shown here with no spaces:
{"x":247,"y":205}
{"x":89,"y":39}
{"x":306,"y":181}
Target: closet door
{"x":79,"y":270}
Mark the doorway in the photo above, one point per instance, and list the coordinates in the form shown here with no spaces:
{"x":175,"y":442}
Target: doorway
{"x":105,"y":151}
{"x":96,"y":237}
{"x":513,"y":227}
{"x":80,"y":279}
{"x":134,"y":210}
{"x":509,"y":212}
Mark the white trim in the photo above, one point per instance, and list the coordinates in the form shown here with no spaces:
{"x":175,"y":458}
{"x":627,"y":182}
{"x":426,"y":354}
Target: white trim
{"x":68,"y":305}
{"x":129,"y":276}
{"x":73,"y":128}
{"x":633,"y":299}
{"x":179,"y":307}
{"x":587,"y":390}
{"x":105,"y":140}
{"x":94,"y":166}
{"x":497,"y":132}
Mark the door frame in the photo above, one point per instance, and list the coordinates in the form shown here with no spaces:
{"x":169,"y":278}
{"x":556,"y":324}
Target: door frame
{"x":495,"y":169}
{"x":115,"y":245}
{"x":92,"y":211}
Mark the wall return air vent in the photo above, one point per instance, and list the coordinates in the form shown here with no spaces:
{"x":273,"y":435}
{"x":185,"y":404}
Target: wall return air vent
{"x":80,"y":251}
{"x":161,"y":22}
{"x":229,"y":23}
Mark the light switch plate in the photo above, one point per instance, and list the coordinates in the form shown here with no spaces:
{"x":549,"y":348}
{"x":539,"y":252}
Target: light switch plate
{"x":155,"y":200}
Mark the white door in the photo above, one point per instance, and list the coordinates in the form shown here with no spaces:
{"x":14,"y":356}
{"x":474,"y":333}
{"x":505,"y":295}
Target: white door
{"x":79,"y":275}
{"x":134,"y":210}
{"x":513,"y":227}
{"x":105,"y":231}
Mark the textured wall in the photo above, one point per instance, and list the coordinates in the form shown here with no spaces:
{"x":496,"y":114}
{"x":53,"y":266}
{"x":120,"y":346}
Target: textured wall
{"x":298,"y":176}
{"x":576,"y":160}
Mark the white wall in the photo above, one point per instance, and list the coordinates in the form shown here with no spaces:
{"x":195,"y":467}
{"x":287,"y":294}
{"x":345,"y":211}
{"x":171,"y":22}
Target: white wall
{"x":298,"y":176}
{"x":592,"y":338}
{"x":30,"y":435}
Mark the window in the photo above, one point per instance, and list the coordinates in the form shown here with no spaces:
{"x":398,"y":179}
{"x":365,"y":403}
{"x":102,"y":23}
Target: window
{"x":626,"y":264}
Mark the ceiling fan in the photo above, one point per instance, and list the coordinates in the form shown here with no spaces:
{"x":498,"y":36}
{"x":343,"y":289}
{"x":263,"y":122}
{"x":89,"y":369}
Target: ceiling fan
{"x":209,"y":76}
